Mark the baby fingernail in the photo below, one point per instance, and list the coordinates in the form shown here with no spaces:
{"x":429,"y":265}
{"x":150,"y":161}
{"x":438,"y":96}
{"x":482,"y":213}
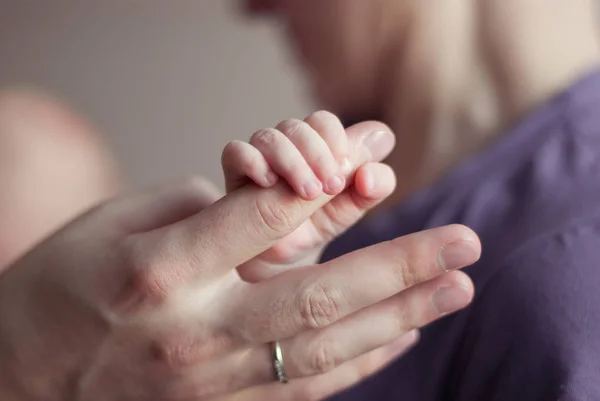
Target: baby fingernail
{"x":335,"y":184}
{"x":310,"y":190}
{"x":457,"y":254}
{"x":450,"y":299}
{"x":271,"y":178}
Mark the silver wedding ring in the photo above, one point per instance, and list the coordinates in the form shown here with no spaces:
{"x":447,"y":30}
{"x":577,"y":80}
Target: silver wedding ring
{"x":278,"y":363}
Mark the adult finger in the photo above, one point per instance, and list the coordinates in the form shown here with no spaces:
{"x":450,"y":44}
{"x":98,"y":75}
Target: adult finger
{"x":248,"y":221}
{"x":319,"y":351}
{"x":316,"y":352}
{"x":163,"y":205}
{"x":317,"y":296}
{"x":322,"y":386}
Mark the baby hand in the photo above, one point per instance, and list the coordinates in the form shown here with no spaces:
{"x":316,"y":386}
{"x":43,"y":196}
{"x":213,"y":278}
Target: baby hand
{"x":311,"y":155}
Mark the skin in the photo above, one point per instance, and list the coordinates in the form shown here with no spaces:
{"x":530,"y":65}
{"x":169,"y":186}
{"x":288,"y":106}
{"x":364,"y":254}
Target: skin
{"x":391,"y":62}
{"x":310,"y":153}
{"x":167,"y":294}
{"x":447,"y":77}
{"x":52,"y":168}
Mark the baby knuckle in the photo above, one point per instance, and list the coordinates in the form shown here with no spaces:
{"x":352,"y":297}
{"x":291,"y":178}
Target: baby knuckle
{"x":232,"y":149}
{"x":250,"y":164}
{"x":324,"y":115}
{"x":266,"y":137}
{"x":178,"y":350}
{"x":323,"y":159}
{"x":319,"y":306}
{"x":294,"y":128}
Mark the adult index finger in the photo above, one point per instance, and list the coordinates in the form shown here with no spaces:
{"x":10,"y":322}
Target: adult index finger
{"x":250,"y":220}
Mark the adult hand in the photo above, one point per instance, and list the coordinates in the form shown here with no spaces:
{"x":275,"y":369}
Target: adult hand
{"x":139,"y":299}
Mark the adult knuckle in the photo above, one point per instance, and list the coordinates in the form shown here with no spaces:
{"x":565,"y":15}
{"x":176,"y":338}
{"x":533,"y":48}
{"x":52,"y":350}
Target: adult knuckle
{"x":321,"y":359}
{"x":319,"y":306}
{"x":171,"y":353}
{"x":145,"y":276}
{"x":144,"y":283}
{"x":405,"y":263}
{"x":403,"y":317}
{"x":277,"y":217}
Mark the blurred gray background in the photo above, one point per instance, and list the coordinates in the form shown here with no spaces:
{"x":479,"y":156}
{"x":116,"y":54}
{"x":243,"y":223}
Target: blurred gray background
{"x":168,"y":83}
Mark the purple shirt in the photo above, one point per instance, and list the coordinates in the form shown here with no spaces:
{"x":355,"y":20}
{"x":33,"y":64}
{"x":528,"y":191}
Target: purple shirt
{"x":533,"y":330}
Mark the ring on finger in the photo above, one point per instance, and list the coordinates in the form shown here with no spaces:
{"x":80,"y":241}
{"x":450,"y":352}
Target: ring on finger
{"x":278,"y":364}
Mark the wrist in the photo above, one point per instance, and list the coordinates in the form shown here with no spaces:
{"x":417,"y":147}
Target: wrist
{"x":46,"y":338}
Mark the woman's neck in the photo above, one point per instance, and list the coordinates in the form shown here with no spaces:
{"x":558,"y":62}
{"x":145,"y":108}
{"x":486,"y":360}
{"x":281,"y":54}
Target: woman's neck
{"x":469,"y":68}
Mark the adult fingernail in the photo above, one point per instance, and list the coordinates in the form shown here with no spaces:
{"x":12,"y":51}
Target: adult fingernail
{"x":335,"y":184}
{"x":450,"y":299}
{"x":310,"y":190}
{"x":457,"y":254}
{"x":379,"y":143}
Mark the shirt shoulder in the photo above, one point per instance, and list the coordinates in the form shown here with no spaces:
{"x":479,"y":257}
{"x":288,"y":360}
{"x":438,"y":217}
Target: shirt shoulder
{"x":532,"y":331}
